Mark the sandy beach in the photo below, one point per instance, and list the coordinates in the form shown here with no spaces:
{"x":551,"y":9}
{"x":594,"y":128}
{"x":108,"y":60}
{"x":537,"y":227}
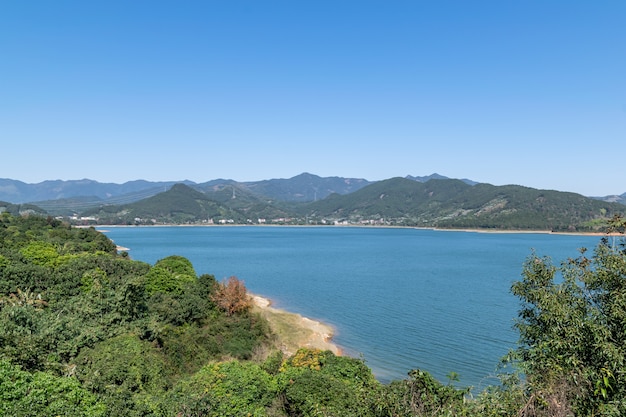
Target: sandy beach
{"x":295,"y":331}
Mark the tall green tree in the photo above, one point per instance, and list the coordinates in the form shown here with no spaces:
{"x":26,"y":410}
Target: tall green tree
{"x":572,"y":327}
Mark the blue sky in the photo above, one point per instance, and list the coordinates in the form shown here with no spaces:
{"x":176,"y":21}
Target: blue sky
{"x":504,"y":92}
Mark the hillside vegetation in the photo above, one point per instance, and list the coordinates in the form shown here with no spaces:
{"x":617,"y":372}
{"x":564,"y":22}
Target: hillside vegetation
{"x":183,"y":204}
{"x":85,"y":331}
{"x":20,"y":209}
{"x":455,"y":204}
{"x":441,"y":203}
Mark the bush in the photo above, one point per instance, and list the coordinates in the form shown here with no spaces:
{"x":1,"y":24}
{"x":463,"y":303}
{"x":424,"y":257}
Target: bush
{"x":23,"y":394}
{"x":225,"y":389}
{"x":170,"y":275}
{"x":316,"y":382}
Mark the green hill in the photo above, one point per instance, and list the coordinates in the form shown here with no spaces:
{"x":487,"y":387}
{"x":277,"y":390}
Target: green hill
{"x":182,"y":204}
{"x":17,"y":209}
{"x":455,"y":204}
{"x":400,"y":199}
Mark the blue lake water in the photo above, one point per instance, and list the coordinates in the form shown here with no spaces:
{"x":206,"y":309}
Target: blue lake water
{"x":399,"y":298}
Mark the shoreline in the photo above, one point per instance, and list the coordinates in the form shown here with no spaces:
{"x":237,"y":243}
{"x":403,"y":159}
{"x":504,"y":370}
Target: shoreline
{"x":293,"y":330}
{"x":521,"y":232}
{"x":436,"y":229}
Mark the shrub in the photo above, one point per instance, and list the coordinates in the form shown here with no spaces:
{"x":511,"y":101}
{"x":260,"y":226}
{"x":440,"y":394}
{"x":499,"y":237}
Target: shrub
{"x":23,"y":394}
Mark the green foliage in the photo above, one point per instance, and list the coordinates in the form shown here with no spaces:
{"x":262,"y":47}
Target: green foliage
{"x":573,"y":332}
{"x":170,"y":275}
{"x":68,"y":307}
{"x":190,"y":346}
{"x":317,"y":382}
{"x":313,"y":393}
{"x":422,"y":395}
{"x":125,"y":363}
{"x":41,"y":253}
{"x":94,"y":280}
{"x":24,"y":394}
{"x":122,"y":371}
{"x":225,"y":389}
{"x":192,"y":305}
{"x":19,"y":231}
{"x":506,"y":399}
{"x":24,"y":335}
{"x":273,"y":362}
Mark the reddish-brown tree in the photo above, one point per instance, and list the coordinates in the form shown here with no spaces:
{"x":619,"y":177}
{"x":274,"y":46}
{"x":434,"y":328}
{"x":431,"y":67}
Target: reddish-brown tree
{"x":231,"y":296}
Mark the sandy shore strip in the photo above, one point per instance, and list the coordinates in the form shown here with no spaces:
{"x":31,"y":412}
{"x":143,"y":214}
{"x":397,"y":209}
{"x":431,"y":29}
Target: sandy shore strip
{"x":293,"y":330}
{"x":521,"y":231}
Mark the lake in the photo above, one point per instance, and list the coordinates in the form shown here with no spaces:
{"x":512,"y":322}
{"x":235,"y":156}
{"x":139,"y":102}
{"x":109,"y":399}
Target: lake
{"x":399,"y":298}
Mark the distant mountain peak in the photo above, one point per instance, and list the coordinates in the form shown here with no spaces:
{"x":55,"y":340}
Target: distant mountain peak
{"x":306,"y":175}
{"x":435,"y":176}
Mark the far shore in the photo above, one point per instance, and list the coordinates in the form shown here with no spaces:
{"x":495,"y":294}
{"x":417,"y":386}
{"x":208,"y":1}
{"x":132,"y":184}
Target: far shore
{"x":517,"y":231}
{"x":293,"y":330}
{"x":470,"y":230}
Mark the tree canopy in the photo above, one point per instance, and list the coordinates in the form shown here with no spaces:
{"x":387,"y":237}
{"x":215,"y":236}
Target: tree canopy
{"x":573,"y":330}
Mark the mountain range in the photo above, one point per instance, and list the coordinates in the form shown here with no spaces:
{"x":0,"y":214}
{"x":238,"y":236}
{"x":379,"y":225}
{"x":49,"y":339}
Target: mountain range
{"x":78,"y":195}
{"x":430,"y":201}
{"x":303,"y":187}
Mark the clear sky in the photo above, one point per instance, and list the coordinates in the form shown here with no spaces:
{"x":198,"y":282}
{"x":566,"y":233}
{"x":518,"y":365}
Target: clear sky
{"x":504,"y":92}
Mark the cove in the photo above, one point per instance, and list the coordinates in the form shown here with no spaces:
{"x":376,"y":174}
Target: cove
{"x":400,"y":298}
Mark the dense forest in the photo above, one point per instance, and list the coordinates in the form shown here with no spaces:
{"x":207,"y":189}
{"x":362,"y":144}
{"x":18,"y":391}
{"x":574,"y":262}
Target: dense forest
{"x":87,"y":331}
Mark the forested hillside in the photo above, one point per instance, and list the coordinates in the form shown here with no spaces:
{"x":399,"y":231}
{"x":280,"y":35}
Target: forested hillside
{"x":104,"y":334}
{"x":183,"y":204}
{"x":456,"y":204}
{"x":19,"y":209}
{"x":86,"y":331}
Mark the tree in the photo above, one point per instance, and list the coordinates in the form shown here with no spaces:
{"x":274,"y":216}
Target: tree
{"x":231,"y":296}
{"x":170,"y":275}
{"x":572,"y":328}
